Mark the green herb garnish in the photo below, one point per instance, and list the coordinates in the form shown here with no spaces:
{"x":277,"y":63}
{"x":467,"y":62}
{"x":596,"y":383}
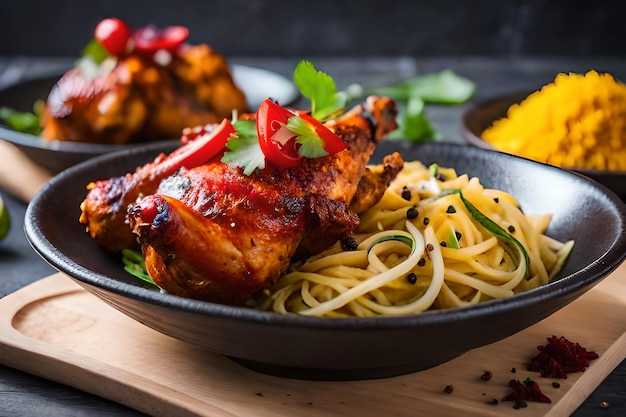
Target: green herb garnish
{"x":433,"y":170}
{"x":311,"y":145}
{"x":134,"y":265}
{"x":244,"y":150}
{"x":95,"y":52}
{"x":400,"y":238}
{"x":25,"y":122}
{"x":320,"y":89}
{"x":413,"y":123}
{"x":515,"y":248}
{"x":453,"y":240}
{"x":444,"y":87}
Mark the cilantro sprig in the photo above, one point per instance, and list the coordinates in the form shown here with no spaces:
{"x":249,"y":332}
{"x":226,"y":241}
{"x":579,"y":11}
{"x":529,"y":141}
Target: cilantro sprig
{"x":244,"y":150}
{"x":320,"y":89}
{"x":442,"y":88}
{"x":311,"y":145}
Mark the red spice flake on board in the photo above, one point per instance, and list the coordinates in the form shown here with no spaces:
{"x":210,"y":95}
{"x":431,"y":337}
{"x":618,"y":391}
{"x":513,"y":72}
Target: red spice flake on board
{"x":561,"y":357}
{"x":526,"y":391}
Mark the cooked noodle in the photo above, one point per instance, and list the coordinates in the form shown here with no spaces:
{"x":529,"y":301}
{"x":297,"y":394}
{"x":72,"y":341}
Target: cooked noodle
{"x":423,"y":247}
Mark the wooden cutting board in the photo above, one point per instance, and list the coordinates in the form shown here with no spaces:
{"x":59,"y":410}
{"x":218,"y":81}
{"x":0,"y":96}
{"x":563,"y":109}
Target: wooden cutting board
{"x":56,"y":330}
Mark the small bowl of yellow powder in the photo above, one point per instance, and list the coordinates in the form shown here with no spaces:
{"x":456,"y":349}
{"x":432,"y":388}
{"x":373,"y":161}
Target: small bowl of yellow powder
{"x":577,"y":122}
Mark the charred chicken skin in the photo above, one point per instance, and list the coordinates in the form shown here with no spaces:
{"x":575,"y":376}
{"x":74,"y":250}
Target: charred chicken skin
{"x":104,"y":209}
{"x":210,"y":232}
{"x":140,"y":97}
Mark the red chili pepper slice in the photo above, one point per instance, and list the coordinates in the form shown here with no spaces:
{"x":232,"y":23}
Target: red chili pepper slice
{"x":113,"y":34}
{"x":200,"y":149}
{"x":279,"y":145}
{"x":150,"y":39}
{"x":281,"y":152}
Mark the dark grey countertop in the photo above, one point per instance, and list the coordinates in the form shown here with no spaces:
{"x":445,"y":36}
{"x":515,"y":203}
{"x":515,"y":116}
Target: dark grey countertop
{"x":26,"y":395}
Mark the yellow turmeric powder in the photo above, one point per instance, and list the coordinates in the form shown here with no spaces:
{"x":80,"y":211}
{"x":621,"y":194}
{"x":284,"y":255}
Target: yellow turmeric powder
{"x":577,"y":121}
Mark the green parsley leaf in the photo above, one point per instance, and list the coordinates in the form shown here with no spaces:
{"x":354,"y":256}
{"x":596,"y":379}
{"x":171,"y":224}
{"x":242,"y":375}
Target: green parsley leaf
{"x":19,"y":121}
{"x":134,"y":265}
{"x":95,"y":51}
{"x":311,"y":145}
{"x":444,"y":87}
{"x":413,"y":125}
{"x":320,"y":89}
{"x":245,"y":128}
{"x":244,"y":149}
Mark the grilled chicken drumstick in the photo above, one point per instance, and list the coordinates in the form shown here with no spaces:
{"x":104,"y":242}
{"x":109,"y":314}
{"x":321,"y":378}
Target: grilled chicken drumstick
{"x":210,"y":232}
{"x":104,"y":208}
{"x":139,"y":99}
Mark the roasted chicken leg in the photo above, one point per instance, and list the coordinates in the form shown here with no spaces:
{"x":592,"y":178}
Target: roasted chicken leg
{"x":138,"y":99}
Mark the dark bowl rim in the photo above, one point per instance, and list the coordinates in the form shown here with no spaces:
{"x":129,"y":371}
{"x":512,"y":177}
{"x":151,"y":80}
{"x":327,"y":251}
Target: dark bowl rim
{"x":514,"y":97}
{"x":594,"y":272}
{"x":36,"y":142}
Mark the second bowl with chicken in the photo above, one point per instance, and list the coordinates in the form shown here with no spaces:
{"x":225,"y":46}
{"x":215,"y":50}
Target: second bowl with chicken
{"x":55,"y":156}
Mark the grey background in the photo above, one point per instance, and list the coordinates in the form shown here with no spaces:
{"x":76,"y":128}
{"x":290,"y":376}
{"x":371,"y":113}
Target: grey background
{"x":298,"y":28}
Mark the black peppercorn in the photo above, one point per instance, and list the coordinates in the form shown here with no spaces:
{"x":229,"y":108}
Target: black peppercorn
{"x":406,"y":193}
{"x":349,"y":244}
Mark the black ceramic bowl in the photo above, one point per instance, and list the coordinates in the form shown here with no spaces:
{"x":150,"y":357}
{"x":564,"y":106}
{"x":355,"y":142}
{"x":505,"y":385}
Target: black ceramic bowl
{"x":480,"y":117}
{"x":256,"y":83}
{"x":348,"y":348}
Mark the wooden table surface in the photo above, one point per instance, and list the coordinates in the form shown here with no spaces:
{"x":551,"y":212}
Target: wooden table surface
{"x":22,"y":394}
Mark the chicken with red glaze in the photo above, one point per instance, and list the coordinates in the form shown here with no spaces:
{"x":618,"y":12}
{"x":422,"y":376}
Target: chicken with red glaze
{"x":209,"y":228}
{"x":140,"y":86}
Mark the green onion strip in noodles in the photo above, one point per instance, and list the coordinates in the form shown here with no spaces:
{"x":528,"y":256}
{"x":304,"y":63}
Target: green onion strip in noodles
{"x":390,"y":274}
